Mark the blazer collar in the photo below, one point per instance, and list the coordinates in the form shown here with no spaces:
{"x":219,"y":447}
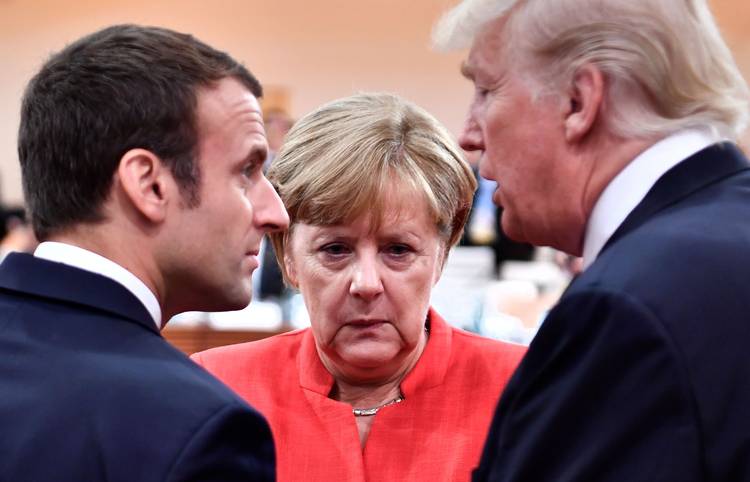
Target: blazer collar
{"x":27,"y":274}
{"x":697,"y":171}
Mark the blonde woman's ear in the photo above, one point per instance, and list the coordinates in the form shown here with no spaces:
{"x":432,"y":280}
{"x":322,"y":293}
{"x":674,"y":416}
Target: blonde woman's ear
{"x":291,"y":272}
{"x":441,"y":265}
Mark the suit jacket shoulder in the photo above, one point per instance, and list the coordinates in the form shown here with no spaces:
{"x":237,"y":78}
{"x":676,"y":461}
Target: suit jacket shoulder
{"x":646,"y":352}
{"x":84,"y":364}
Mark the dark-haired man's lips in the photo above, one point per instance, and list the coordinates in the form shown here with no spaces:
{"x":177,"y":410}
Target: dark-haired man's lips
{"x":252,"y":256}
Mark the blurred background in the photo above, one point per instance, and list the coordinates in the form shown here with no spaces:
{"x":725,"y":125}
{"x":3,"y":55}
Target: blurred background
{"x":307,"y":53}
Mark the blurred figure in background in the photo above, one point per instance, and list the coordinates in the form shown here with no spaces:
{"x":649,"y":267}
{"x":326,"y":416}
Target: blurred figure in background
{"x":609,"y":126}
{"x":270,"y":280}
{"x":380,"y":387}
{"x":16,"y":235}
{"x":277,"y":123}
{"x":483,"y":227}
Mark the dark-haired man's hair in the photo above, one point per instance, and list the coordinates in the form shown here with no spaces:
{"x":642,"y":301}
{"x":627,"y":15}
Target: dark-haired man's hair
{"x":121,"y":88}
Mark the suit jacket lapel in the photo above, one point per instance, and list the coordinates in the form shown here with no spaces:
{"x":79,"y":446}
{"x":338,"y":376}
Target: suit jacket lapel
{"x":697,"y":171}
{"x":39,"y":277}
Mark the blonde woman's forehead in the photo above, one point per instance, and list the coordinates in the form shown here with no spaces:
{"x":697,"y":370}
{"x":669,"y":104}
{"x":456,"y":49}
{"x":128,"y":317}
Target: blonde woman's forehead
{"x":387,"y":205}
{"x":399,"y":220}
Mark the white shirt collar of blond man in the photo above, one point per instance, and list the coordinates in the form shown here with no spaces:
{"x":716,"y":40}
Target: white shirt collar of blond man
{"x":630,"y":186}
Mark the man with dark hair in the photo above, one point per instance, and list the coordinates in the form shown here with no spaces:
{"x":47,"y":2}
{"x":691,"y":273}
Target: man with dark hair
{"x":141,"y":152}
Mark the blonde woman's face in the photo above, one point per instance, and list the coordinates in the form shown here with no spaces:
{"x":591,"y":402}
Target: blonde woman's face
{"x":367,"y":291}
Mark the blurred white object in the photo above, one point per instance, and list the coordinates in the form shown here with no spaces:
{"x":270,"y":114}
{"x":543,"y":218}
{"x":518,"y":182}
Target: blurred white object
{"x":259,"y":315}
{"x":501,"y":326}
{"x":508,"y":307}
{"x":459,"y":294}
{"x":545,"y":275}
{"x":299,"y":318}
{"x":189,"y":318}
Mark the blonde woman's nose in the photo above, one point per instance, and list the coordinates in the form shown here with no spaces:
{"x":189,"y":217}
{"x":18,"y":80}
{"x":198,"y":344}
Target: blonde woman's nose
{"x":366,"y":281}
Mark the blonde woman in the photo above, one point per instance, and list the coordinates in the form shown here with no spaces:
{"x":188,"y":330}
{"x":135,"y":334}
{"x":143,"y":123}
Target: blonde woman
{"x":380,"y":387}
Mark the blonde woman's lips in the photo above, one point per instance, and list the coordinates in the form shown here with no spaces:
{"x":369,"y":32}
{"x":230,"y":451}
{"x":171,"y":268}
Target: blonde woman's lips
{"x":366,"y":324}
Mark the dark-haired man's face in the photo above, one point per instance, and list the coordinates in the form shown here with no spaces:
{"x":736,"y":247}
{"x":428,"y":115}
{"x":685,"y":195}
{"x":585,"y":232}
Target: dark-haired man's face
{"x":217,"y":242}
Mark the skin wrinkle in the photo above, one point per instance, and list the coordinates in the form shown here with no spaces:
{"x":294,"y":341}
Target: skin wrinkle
{"x":505,"y":107}
{"x":365,"y":279}
{"x":243,"y":207}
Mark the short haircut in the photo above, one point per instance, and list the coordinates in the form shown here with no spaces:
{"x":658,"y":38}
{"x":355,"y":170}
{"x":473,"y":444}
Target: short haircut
{"x":344,"y":159}
{"x":665,"y":62}
{"x":120,"y":88}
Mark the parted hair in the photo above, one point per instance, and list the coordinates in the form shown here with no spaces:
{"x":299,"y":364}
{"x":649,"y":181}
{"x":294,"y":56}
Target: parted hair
{"x":665,"y":62}
{"x":346,"y":158}
{"x":120,"y":88}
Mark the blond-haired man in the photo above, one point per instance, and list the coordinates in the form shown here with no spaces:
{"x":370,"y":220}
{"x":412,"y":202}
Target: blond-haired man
{"x":609,"y":127}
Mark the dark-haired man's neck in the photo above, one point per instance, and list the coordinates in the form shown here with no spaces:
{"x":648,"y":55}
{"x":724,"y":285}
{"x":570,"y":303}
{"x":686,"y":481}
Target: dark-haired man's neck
{"x":118,"y":259}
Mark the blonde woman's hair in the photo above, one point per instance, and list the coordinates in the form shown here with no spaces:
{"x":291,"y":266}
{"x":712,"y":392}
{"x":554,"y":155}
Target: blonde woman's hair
{"x":348,"y":157}
{"x":665,"y":62}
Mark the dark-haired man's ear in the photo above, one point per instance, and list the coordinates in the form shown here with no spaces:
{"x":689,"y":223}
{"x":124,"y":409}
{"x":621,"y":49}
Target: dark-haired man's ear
{"x":585,"y":97}
{"x":145,"y":181}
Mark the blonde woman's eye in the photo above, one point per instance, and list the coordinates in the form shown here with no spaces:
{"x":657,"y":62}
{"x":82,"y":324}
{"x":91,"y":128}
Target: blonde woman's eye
{"x":399,"y":249}
{"x":334,"y":249}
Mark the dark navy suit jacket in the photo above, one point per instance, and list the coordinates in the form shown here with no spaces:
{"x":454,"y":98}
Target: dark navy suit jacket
{"x":90,"y":391}
{"x":642,"y":371}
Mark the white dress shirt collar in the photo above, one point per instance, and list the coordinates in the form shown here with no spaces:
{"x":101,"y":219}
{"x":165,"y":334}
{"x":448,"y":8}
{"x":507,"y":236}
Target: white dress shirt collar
{"x":631,"y":185}
{"x":90,"y":261}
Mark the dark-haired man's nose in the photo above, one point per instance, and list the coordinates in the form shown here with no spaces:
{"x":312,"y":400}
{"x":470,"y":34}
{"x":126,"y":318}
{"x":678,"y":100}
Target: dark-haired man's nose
{"x":269,"y":211}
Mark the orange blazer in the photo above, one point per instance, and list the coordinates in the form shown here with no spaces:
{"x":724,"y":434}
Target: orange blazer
{"x":435,"y":434}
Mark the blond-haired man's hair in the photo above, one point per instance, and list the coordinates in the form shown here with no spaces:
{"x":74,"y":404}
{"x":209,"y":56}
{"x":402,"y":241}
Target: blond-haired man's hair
{"x":665,"y":62}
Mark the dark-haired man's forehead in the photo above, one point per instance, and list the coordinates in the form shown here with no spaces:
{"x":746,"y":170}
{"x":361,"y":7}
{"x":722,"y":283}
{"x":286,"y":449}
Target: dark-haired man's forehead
{"x":228,"y":99}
